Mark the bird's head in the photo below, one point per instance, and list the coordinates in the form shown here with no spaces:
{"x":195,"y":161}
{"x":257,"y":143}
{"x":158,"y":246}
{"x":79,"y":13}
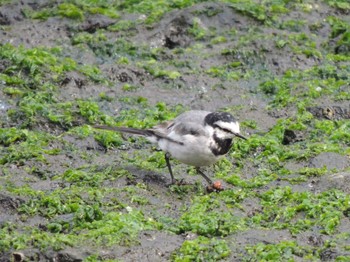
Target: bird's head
{"x":225,"y":126}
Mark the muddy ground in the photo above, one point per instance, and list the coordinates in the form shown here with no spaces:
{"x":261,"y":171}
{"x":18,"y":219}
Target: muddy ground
{"x":260,"y":59}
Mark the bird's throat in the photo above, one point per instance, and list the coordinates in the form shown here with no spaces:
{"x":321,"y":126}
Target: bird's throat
{"x":220,"y":146}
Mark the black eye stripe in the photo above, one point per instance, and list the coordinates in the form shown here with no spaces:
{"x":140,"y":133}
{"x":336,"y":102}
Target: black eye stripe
{"x":226,"y":130}
{"x":223,"y":129}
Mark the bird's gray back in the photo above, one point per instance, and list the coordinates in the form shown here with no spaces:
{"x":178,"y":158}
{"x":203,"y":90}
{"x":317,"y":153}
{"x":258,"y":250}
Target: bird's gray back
{"x":194,"y":116}
{"x":190,"y":122}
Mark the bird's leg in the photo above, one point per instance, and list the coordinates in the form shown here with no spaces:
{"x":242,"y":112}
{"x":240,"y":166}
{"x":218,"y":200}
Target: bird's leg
{"x":204,"y":176}
{"x":167,"y":160}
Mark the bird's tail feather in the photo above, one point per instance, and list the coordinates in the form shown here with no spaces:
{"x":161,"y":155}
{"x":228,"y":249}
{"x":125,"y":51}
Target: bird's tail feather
{"x":130,"y":130}
{"x":141,"y":132}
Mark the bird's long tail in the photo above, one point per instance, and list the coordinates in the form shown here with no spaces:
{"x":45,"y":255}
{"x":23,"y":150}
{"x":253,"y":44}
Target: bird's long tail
{"x":142,"y":132}
{"x":130,"y":130}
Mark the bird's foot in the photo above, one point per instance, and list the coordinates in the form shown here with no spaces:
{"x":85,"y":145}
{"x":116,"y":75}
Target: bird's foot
{"x":180,"y":182}
{"x":215,"y":187}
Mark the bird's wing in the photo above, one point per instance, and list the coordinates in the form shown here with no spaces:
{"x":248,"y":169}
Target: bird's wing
{"x":160,"y":134}
{"x":188,"y":123}
{"x":174,"y":131}
{"x":189,"y":128}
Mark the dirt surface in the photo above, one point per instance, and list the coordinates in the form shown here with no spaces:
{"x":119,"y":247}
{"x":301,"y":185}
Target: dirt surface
{"x":240,"y":96}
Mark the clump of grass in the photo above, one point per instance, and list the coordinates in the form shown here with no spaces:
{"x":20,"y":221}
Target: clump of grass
{"x":22,"y":145}
{"x":147,"y":116}
{"x":232,"y":71}
{"x":116,"y":228}
{"x":341,"y":4}
{"x":285,"y":250}
{"x":202,"y":248}
{"x":208,"y":216}
{"x":70,"y":11}
{"x":13,"y":237}
{"x":9,"y":136}
{"x":266,"y":13}
{"x":157,"y":70}
{"x":300,"y":211}
{"x":76,"y":10}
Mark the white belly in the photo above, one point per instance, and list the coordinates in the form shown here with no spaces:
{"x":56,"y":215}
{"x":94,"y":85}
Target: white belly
{"x":194,"y":152}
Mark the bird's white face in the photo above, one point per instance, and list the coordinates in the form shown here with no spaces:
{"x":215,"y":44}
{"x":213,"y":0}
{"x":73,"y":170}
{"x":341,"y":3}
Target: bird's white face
{"x":226,"y":130}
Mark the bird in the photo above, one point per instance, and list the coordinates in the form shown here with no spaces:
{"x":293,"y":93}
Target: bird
{"x":197,"y":138}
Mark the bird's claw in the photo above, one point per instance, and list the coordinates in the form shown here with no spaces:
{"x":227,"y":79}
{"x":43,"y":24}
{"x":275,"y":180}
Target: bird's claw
{"x":181,"y":182}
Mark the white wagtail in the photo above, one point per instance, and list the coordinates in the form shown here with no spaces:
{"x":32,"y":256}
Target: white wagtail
{"x":196,"y":138}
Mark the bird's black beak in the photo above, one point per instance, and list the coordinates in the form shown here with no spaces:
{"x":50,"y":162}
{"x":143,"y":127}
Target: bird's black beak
{"x":240,"y":136}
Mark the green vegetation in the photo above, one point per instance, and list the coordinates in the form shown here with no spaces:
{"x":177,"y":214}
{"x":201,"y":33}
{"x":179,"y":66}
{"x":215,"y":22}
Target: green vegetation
{"x":281,"y":206}
{"x":202,"y":249}
{"x":285,"y":250}
{"x":208,"y":216}
{"x":66,"y":184}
